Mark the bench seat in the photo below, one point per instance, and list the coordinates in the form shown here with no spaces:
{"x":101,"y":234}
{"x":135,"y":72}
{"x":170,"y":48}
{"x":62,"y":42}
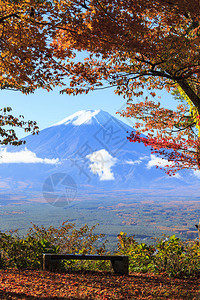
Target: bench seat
{"x":119,"y":263}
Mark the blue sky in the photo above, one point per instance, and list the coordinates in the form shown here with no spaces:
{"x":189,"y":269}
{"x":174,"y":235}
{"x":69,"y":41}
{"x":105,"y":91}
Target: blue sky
{"x":48,"y":108}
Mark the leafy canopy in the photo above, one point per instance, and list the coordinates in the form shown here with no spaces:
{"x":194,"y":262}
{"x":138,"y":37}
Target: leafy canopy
{"x":134,"y":46}
{"x":27,"y":58}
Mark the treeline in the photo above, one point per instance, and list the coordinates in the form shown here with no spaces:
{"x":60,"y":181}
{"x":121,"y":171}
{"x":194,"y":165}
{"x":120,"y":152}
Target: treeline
{"x":169,"y":255}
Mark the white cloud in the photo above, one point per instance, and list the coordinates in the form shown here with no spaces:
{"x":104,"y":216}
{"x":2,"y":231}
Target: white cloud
{"x":101,"y":164}
{"x":197,"y":173}
{"x":80,"y":117}
{"x":133,"y":162}
{"x":23,"y":156}
{"x":177,"y":176}
{"x":144,"y":157}
{"x":158,"y":161}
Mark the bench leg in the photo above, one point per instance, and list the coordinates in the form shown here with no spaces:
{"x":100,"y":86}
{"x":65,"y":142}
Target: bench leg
{"x":49,"y":264}
{"x":120,"y":266}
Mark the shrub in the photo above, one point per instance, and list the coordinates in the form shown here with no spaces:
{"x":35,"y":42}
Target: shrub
{"x":170,"y":254}
{"x":140,"y":255}
{"x":27,"y":252}
{"x":177,"y":258}
{"x":73,"y":241}
{"x":23,"y":253}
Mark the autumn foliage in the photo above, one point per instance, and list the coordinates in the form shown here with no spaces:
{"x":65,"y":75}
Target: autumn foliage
{"x":40,"y":285}
{"x":169,"y":254}
{"x":136,"y":47}
{"x":150,"y":266}
{"x":9,"y":135}
{"x":26,"y":31}
{"x":27,"y":58}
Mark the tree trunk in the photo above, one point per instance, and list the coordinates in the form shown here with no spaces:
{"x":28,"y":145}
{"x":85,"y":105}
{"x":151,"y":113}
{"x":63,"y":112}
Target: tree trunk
{"x":190,"y":93}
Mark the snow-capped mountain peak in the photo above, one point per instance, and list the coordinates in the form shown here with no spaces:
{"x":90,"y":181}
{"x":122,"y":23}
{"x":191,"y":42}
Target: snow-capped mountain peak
{"x":79,"y":118}
{"x":92,"y":147}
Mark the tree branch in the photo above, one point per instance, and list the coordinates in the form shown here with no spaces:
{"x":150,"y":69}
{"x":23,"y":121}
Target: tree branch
{"x":9,"y":16}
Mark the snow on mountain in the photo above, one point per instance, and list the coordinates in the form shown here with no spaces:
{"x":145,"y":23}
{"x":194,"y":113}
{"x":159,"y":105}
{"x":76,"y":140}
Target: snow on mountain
{"x":92,"y":148}
{"x":79,"y":118}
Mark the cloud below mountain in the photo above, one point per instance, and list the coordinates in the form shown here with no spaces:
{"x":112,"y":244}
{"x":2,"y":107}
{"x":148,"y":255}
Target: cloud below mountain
{"x":101,"y":164}
{"x":23,"y":156}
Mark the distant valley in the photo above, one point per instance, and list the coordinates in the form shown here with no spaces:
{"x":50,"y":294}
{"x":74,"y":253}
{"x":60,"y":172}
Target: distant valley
{"x":145,"y":219}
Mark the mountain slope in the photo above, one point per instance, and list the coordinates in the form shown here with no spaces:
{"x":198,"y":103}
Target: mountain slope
{"x":92,"y":149}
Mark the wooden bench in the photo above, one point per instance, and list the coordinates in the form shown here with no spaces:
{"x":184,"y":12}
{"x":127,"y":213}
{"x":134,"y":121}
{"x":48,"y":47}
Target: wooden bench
{"x":119,"y":263}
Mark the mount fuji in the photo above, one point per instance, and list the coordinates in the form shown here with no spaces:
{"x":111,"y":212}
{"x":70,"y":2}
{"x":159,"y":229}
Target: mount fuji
{"x":90,"y":152}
